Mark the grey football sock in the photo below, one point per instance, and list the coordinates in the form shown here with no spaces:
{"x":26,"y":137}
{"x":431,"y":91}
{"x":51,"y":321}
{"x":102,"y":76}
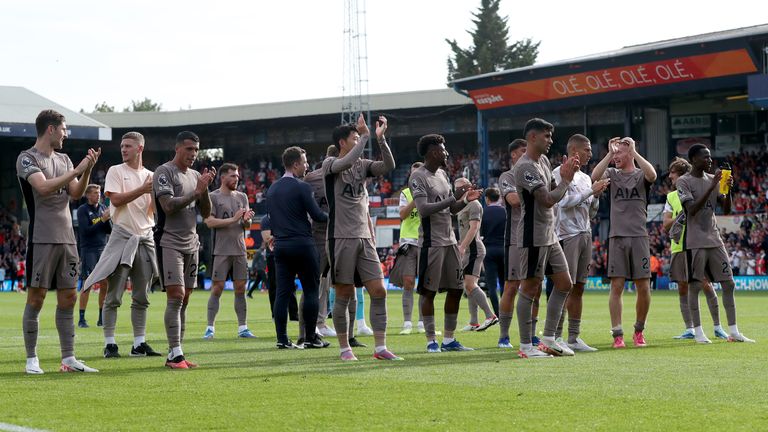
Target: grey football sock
{"x":505,"y":320}
{"x":322,"y":311}
{"x":418,"y":307}
{"x":30,"y":324}
{"x":429,"y":326}
{"x":172,"y":320}
{"x":183,"y":318}
{"x":693,"y":303}
{"x":472,"y":305}
{"x":559,"y":331}
{"x":378,"y":314}
{"x":482,"y":301}
{"x":714,"y":307}
{"x":685,"y":310}
{"x":451,"y":320}
{"x":555,"y":306}
{"x":241,"y":309}
{"x":139,"y":321}
{"x":729,"y":301}
{"x":65,"y":325}
{"x":213,"y":309}
{"x":534,"y":321}
{"x":573,"y":329}
{"x":341,"y":315}
{"x":407,"y":305}
{"x":352,"y":309}
{"x":524,"y":312}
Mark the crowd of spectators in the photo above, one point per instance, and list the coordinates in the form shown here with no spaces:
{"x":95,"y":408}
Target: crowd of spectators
{"x":13,"y":248}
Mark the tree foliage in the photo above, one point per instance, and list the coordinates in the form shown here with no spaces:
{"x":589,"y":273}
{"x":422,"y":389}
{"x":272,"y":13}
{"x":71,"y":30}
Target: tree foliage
{"x":143,"y":105}
{"x":489,"y":51}
{"x":103,"y":107}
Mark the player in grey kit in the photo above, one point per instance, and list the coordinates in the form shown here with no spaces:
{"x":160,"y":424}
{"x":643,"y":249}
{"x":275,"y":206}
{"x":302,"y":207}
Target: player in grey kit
{"x":351,"y":247}
{"x":48,"y":180}
{"x":628,"y":247}
{"x":439,"y":261}
{"x":230,"y":217}
{"x":540,"y":252}
{"x":472,"y":252}
{"x":178,"y":190}
{"x":512,"y":273}
{"x":319,"y":229}
{"x":705,"y":251}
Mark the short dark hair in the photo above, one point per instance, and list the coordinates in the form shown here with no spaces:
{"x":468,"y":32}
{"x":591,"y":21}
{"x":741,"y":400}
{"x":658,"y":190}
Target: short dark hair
{"x":516,"y":144}
{"x":538,"y":125}
{"x":492,"y":194}
{"x":47,"y":118}
{"x":227,"y":167}
{"x":578,"y":138}
{"x":291,"y":155}
{"x":342,"y":132}
{"x":428,"y":140}
{"x":694,"y":151}
{"x":187,"y":135}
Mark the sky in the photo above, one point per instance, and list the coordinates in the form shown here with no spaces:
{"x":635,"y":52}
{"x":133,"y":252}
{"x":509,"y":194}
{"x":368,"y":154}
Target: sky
{"x":200,"y":54}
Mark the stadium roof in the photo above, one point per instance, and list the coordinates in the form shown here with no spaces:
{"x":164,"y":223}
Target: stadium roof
{"x":634,"y":49}
{"x":378,"y":102}
{"x":19,"y":107}
{"x":677,"y":66}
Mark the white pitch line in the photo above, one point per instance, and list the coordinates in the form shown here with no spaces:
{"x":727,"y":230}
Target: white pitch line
{"x":15,"y":428}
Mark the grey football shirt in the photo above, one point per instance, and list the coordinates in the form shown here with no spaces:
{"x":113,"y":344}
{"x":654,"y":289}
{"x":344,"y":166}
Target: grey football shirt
{"x":629,"y":202}
{"x":701,"y":230}
{"x":50,"y":218}
{"x":537,"y":223}
{"x":315,"y":180}
{"x":436,"y":229}
{"x":229,"y":240}
{"x":507,"y":185}
{"x":177,"y":230}
{"x":471,"y":212}
{"x":347,"y":199}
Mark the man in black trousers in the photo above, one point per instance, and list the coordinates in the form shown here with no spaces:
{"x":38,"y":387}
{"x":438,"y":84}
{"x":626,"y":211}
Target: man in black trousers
{"x":289,"y":201}
{"x":492,"y":233}
{"x":266,"y":238}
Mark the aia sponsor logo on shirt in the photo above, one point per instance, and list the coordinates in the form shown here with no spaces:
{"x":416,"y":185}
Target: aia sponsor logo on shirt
{"x":626,"y":193}
{"x":353,"y":191}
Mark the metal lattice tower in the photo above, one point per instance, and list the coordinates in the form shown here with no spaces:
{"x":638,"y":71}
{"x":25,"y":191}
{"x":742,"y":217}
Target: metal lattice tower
{"x":355,"y":75}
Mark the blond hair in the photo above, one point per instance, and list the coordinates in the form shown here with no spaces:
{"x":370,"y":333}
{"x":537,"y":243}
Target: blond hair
{"x":139,"y":138}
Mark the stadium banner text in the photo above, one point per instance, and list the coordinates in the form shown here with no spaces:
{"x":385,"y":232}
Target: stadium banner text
{"x":743,"y":283}
{"x":669,"y":71}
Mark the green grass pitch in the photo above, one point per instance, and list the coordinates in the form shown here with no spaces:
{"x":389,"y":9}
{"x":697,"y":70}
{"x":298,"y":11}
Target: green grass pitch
{"x":249,"y":385}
